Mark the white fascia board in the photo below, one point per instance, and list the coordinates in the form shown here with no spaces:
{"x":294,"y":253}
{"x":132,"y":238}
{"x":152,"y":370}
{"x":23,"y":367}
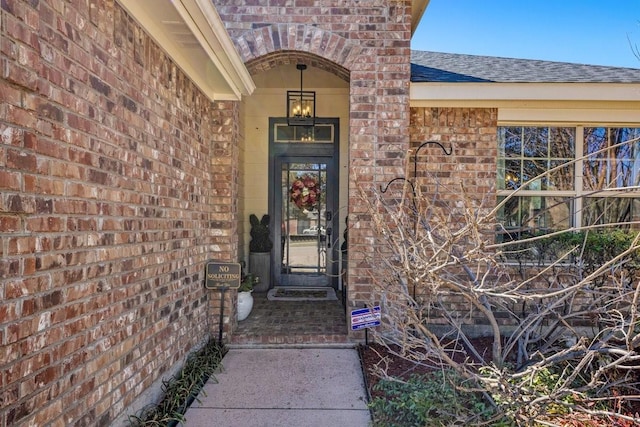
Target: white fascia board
{"x":493,"y":94}
{"x":212,"y":62}
{"x":417,"y":10}
{"x":618,"y":116}
{"x":206,"y":25}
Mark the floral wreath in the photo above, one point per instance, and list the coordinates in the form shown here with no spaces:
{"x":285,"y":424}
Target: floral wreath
{"x":305,"y":192}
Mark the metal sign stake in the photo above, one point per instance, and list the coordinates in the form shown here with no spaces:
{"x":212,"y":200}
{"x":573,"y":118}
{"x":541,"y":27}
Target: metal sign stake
{"x":222,"y":290}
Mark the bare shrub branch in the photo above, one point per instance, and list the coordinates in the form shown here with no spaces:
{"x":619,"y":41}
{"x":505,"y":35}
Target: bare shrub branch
{"x":564,"y":335}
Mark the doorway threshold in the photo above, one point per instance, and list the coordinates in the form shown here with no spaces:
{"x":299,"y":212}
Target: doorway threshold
{"x":300,"y":293}
{"x":284,"y":323}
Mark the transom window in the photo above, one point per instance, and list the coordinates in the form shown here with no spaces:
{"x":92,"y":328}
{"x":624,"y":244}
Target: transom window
{"x":566,"y":177}
{"x":320,"y":133}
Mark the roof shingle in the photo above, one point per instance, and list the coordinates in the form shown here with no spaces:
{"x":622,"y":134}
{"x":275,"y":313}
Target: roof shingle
{"x":460,"y":68}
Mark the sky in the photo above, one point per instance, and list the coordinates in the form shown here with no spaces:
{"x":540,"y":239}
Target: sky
{"x":596,"y":32}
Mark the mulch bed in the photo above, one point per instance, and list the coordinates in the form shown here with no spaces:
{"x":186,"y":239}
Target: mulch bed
{"x":374,"y":355}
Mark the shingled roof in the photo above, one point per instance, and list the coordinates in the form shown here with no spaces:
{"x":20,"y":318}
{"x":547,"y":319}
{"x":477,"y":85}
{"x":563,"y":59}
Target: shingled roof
{"x":458,"y":68}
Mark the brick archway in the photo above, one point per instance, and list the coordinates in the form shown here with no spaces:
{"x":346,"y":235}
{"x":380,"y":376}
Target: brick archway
{"x":370,"y":50}
{"x":277,"y":44}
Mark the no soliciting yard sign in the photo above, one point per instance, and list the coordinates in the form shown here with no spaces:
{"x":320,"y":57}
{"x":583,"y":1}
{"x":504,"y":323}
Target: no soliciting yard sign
{"x":222,"y":275}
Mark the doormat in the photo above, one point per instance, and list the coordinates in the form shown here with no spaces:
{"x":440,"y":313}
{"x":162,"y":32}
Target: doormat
{"x":301,"y":294}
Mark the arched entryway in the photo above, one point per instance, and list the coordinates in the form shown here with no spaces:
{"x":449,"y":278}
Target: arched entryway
{"x":306,"y":241}
{"x":374,"y":68}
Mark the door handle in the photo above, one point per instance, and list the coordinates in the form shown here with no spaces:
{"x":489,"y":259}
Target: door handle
{"x":329,"y":237}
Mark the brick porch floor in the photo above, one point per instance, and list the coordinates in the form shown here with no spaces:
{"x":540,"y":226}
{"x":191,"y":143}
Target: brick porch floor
{"x":282,"y":323}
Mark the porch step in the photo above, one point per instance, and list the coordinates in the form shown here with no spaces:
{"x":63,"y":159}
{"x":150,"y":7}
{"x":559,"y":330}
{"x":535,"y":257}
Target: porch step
{"x":341,"y":340}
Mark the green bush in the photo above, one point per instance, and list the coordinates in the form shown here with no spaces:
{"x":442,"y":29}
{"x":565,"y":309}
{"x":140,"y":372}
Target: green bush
{"x":182,"y":389}
{"x":593,"y":248}
{"x":429,"y":400}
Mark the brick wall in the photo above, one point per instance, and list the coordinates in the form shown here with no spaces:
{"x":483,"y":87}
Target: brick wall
{"x":226,"y":136}
{"x":471,"y":134}
{"x":446,"y":180}
{"x":367,"y":43}
{"x":118,"y":180}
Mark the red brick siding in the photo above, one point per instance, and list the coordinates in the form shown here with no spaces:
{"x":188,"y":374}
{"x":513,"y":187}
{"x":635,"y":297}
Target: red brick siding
{"x":226,"y":137}
{"x":471,"y":168}
{"x":471,"y":134}
{"x":118,"y":180}
{"x":365,"y":42}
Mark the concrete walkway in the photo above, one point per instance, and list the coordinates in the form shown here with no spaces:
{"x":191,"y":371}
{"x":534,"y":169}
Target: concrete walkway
{"x":308,"y":387}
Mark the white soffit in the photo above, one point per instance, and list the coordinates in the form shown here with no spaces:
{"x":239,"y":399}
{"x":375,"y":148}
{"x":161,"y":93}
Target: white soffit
{"x":193,"y":35}
{"x":495,"y":94}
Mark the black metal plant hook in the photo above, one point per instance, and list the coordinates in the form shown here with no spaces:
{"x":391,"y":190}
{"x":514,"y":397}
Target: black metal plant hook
{"x":415,"y":168}
{"x":401,"y":178}
{"x":413,"y":188}
{"x":439,"y":144}
{"x":424,"y":144}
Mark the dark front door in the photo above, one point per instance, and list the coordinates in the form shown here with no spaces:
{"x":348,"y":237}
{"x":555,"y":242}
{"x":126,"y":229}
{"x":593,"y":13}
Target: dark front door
{"x":304,"y":184}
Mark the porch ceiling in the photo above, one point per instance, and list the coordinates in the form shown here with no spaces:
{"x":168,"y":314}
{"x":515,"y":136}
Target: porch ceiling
{"x":287,"y":76}
{"x":193,"y":35}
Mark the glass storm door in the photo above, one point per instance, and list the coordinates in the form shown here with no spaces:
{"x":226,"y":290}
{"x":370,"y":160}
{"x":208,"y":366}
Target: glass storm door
{"x":303,"y":183}
{"x":305,"y":204}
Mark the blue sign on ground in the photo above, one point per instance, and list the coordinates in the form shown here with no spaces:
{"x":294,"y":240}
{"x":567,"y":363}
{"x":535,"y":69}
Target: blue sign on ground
{"x":365,"y":318}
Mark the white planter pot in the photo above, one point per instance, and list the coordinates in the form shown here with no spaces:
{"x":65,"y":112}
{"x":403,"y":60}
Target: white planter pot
{"x":245,"y":304}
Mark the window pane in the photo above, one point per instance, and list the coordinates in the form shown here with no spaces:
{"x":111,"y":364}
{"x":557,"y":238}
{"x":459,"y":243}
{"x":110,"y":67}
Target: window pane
{"x":530,"y":170}
{"x":562,"y":143}
{"x":536,"y":142}
{"x":526,"y":216}
{"x":324,"y":133}
{"x":510,"y":142}
{"x":618,"y":162}
{"x":284,"y":133}
{"x":562,"y":178}
{"x":512,"y":175}
{"x":321,"y":133}
{"x":606,"y":210}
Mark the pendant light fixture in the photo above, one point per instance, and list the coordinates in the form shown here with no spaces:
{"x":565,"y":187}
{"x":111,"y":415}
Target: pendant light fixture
{"x":301,"y":105}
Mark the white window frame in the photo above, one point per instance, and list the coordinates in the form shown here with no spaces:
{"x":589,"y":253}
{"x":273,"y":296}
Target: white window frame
{"x":578,"y":194}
